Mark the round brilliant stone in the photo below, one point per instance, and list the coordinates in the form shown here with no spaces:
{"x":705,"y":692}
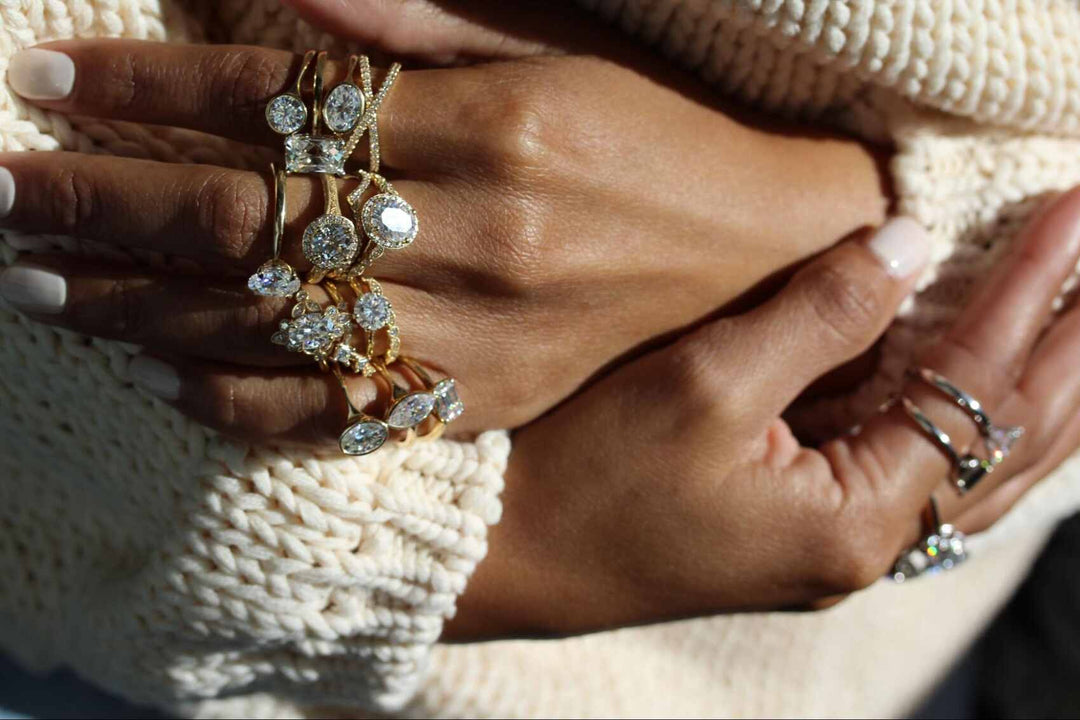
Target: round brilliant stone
{"x":331,"y":242}
{"x":389,"y":221}
{"x":372,"y":311}
{"x":286,"y":114}
{"x":363,"y":437}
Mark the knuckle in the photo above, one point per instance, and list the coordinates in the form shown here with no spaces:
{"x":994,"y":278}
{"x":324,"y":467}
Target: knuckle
{"x":119,"y":82}
{"x":249,"y":77}
{"x":695,"y":380}
{"x":854,"y":553}
{"x":518,"y":128}
{"x":126,"y":319}
{"x":231,"y":212}
{"x":847,"y":306}
{"x":74,"y":200}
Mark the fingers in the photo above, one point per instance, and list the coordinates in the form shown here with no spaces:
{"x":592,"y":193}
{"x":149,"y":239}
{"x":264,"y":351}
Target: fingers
{"x":220,"y":218}
{"x":218,"y":89}
{"x":175,"y":314}
{"x":831,"y":311}
{"x":892,"y":466}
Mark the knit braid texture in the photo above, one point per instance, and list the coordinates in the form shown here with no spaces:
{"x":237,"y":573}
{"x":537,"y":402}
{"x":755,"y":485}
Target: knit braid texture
{"x":177,"y":569}
{"x":163,"y":562}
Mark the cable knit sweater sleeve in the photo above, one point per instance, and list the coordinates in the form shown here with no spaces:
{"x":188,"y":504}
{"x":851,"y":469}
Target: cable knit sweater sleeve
{"x":177,"y":569}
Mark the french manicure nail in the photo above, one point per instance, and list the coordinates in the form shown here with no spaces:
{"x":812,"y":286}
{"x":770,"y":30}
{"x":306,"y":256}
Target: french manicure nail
{"x":155,"y":376}
{"x":901,"y":245}
{"x":7,"y":191}
{"x":38,"y":74}
{"x":33,"y":290}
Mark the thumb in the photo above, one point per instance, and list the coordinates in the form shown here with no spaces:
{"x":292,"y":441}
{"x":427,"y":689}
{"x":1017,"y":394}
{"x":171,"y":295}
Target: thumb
{"x":831,"y":311}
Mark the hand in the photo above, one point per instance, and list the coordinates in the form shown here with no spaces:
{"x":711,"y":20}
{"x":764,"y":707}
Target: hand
{"x":677,"y":490}
{"x":571,"y":210}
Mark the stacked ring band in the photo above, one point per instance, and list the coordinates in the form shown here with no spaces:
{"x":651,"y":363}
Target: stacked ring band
{"x":943,"y":548}
{"x":357,"y":331}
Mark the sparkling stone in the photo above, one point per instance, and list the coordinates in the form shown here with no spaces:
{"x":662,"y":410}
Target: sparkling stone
{"x":331,"y":242}
{"x":363,"y":437}
{"x":372,"y":311}
{"x":389,"y":221}
{"x":1000,"y":441}
{"x":314,"y":332}
{"x":344,"y":106}
{"x":286,"y":114}
{"x":448,"y":405}
{"x":348,"y":356}
{"x":307,"y":154}
{"x":275,"y":278}
{"x":411,"y":410}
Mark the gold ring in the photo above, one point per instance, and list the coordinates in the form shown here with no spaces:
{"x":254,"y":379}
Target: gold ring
{"x":275,"y":277}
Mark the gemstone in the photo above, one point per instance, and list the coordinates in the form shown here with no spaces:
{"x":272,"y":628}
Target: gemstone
{"x":286,"y":114}
{"x":275,"y":278}
{"x":1000,"y":441}
{"x":346,"y":355}
{"x":314,"y":331}
{"x":389,"y":221}
{"x":372,"y":311}
{"x":343,"y":108}
{"x":331,"y":242}
{"x":363,"y":437}
{"x":411,"y":410}
{"x":448,"y":405}
{"x":307,"y":154}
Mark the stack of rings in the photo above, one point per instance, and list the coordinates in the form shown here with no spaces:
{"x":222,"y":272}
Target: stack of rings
{"x":943,"y":546}
{"x":343,"y":337}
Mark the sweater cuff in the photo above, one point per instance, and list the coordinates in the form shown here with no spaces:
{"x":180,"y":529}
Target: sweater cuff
{"x":327,"y":579}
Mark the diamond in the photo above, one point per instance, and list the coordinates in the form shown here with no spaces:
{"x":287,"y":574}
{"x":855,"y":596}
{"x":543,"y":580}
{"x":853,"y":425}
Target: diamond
{"x":411,"y":410}
{"x":275,"y":278}
{"x":313,"y":332}
{"x":331,"y":242}
{"x":372,"y":311}
{"x":286,"y":114}
{"x":389,"y":221}
{"x":448,"y":405}
{"x":344,"y":106}
{"x":363,"y":437}
{"x":346,"y":355}
{"x":307,"y":154}
{"x":1000,"y":441}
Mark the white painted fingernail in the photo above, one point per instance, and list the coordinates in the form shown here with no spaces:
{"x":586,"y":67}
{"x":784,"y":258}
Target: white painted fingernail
{"x":902,"y":245}
{"x":155,"y":376}
{"x":7,"y":191}
{"x":33,"y":290}
{"x":39,"y":74}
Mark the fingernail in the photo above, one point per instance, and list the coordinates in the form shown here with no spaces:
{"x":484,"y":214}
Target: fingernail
{"x":155,"y":376}
{"x":33,"y":290}
{"x":38,"y":74}
{"x":7,"y":191}
{"x":902,"y":245}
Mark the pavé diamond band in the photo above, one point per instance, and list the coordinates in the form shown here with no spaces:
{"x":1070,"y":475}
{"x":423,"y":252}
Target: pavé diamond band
{"x":942,"y":549}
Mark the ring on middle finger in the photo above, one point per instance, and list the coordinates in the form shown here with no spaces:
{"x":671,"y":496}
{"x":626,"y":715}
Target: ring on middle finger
{"x":968,"y":470}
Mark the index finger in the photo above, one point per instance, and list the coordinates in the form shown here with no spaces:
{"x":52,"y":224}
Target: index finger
{"x":219,"y":89}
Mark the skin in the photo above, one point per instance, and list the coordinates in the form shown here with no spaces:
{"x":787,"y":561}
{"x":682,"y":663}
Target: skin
{"x":679,"y":491}
{"x":562,"y":229}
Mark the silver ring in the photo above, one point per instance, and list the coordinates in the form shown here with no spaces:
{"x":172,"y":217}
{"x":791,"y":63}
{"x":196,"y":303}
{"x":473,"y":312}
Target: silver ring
{"x":999,"y":440}
{"x":943,"y":548}
{"x":969,"y":470}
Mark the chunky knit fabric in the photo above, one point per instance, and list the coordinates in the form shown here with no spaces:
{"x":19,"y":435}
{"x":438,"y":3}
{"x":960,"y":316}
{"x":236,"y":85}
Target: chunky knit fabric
{"x":174,"y":568}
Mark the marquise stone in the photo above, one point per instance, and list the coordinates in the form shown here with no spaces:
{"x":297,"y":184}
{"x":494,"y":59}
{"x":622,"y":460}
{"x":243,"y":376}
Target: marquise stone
{"x":411,"y":410}
{"x":363,"y":437}
{"x":275,"y":278}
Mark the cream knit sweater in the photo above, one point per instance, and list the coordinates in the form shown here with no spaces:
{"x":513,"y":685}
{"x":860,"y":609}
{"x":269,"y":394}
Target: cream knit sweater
{"x":177,"y":569}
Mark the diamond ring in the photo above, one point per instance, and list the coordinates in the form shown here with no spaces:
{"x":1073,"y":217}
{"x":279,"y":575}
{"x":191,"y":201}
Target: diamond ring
{"x":942,"y":549}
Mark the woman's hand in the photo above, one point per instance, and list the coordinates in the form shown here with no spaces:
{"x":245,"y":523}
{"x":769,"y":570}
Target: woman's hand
{"x":677,"y":490}
{"x":571,"y":210}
